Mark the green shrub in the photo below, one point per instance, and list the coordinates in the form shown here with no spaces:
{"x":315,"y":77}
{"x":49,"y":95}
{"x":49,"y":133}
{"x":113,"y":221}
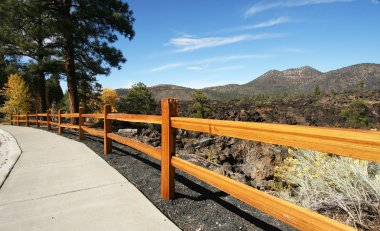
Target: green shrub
{"x":356,"y":115}
{"x":333,"y":185}
{"x":138,"y":100}
{"x":200,"y":108}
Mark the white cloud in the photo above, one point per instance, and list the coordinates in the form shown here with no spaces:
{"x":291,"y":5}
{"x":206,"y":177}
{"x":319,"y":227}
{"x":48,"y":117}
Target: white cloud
{"x":166,"y":67}
{"x":292,"y":50}
{"x":228,"y":68}
{"x":201,"y":64}
{"x":269,"y":23}
{"x":272,"y":22}
{"x":191,"y":43}
{"x":194,"y":68}
{"x":291,"y":3}
{"x":224,"y":59}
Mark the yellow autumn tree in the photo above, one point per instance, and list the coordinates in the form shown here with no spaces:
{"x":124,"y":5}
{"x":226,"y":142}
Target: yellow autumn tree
{"x":17,"y":96}
{"x":109,"y":96}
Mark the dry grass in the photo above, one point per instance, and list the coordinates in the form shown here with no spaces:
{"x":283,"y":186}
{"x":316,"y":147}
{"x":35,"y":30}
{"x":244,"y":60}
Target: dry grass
{"x":342,"y":188}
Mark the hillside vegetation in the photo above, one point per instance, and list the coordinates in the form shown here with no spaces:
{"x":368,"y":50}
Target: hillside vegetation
{"x":293,"y":81}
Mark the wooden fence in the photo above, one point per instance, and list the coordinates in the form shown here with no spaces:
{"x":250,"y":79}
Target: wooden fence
{"x":360,"y":144}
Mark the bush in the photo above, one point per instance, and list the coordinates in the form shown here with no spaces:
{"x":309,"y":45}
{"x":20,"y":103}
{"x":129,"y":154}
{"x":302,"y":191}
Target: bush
{"x":333,"y":185}
{"x":356,"y":115}
{"x":200,"y":108}
{"x":138,"y":100}
{"x":109,"y":96}
{"x":17,"y":96}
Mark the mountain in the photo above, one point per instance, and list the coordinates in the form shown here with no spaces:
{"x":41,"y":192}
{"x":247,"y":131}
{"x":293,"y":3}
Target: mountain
{"x":348,"y":78}
{"x":171,"y":91}
{"x":274,"y":82}
{"x":290,"y":81}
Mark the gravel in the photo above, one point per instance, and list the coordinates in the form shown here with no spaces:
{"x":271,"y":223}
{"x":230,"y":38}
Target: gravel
{"x":9,"y":154}
{"x":197,"y":205}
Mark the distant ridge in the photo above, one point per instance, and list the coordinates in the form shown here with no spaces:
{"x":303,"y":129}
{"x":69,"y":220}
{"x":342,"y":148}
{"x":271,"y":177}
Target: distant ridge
{"x":290,"y":81}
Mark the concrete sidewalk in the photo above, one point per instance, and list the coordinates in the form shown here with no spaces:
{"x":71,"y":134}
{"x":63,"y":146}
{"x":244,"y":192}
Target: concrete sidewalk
{"x":60,"y":184}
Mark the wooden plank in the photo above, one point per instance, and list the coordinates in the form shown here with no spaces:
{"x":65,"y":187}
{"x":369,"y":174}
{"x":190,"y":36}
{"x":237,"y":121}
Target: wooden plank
{"x":81,"y":123}
{"x":361,"y":144}
{"x":53,"y":115}
{"x":42,"y":114}
{"x":37,"y":122}
{"x":27,"y":119}
{"x":59,"y":122}
{"x":52,"y":123}
{"x":42,"y":122}
{"x":32,"y":121}
{"x":96,"y":116}
{"x":69,"y":126}
{"x":151,"y":119}
{"x":135,"y":144}
{"x":48,"y":119}
{"x":22,"y":121}
{"x":70,"y":115}
{"x":107,"y":129}
{"x":294,"y":215}
{"x":169,"y":108}
{"x":92,"y":131}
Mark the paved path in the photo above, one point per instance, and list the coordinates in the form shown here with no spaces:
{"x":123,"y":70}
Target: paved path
{"x":60,"y":184}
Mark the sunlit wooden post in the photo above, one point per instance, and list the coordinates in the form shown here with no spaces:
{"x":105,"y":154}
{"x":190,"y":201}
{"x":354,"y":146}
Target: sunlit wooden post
{"x":18,"y":119}
{"x":48,"y":119}
{"x":59,"y":122}
{"x":27,"y":119}
{"x":10,"y":122}
{"x":107,"y":129}
{"x":81,"y":123}
{"x":169,"y":108}
{"x":37,"y":123}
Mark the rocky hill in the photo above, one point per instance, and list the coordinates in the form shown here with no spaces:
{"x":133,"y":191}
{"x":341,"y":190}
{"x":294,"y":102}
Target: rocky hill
{"x":291,"y":81}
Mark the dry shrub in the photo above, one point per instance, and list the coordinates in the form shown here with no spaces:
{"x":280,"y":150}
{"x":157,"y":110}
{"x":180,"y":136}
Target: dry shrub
{"x":343,"y":188}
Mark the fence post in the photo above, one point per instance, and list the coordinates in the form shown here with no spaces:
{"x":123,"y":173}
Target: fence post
{"x":107,"y":129}
{"x":169,"y":108}
{"x":59,"y":122}
{"x":11,"y":119}
{"x":27,"y":119}
{"x":81,"y":123}
{"x":37,"y":123}
{"x":48,"y":119}
{"x":18,"y":119}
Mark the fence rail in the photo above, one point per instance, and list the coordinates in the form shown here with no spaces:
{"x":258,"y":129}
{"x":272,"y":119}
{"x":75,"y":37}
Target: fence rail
{"x":361,"y":144}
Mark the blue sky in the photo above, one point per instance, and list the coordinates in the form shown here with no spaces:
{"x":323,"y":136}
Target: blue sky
{"x":206,"y":43}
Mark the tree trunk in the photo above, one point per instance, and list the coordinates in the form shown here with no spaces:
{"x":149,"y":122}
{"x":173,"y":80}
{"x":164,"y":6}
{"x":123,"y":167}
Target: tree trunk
{"x":42,"y":90}
{"x":72,"y":83}
{"x":41,"y":81}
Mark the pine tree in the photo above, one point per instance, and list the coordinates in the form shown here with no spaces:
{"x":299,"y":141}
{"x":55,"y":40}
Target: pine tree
{"x":54,"y":91}
{"x":89,"y":91}
{"x":27,"y":35}
{"x":86,"y":30}
{"x":65,"y":34}
{"x":201,"y":105}
{"x":138,"y":100}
